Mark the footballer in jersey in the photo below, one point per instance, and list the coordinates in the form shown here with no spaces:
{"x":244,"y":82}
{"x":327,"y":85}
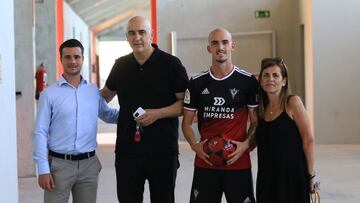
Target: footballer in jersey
{"x":222,"y":108}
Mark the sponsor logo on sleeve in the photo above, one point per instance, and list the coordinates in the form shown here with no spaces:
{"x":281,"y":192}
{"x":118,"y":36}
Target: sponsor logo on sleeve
{"x":187,"y":97}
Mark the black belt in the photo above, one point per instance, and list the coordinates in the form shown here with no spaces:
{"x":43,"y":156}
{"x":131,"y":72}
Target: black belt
{"x":73,"y":157}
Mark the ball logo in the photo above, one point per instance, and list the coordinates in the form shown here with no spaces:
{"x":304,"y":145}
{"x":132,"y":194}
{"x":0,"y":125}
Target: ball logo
{"x":219,"y":101}
{"x":219,"y":150}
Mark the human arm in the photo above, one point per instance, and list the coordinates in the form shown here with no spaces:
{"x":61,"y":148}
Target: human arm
{"x":253,"y":117}
{"x":297,"y":111}
{"x":46,"y":182}
{"x":189,"y":135}
{"x":40,"y":139}
{"x":173,"y":110}
{"x":107,"y":93}
{"x":241,"y":147}
{"x":106,"y":113}
{"x":178,"y":81}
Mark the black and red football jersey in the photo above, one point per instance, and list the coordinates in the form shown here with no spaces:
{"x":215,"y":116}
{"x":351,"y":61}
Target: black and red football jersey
{"x":222,"y":108}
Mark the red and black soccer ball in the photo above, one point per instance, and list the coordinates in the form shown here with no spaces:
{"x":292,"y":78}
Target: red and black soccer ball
{"x":218,"y":150}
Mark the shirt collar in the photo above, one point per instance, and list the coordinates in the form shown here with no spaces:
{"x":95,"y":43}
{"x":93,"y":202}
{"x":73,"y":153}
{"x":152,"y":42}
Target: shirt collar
{"x":62,"y":81}
{"x":153,"y":55}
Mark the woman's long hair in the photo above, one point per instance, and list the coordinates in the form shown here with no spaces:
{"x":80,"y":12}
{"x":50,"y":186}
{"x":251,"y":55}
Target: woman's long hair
{"x":285,"y":90}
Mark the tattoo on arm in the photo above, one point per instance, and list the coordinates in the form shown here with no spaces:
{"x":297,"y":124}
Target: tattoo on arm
{"x":252,"y":128}
{"x":251,"y":135}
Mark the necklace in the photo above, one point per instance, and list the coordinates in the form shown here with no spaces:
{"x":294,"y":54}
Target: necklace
{"x":272,"y":110}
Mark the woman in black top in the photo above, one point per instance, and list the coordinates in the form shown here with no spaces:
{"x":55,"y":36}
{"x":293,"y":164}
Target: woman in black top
{"x":284,"y":138}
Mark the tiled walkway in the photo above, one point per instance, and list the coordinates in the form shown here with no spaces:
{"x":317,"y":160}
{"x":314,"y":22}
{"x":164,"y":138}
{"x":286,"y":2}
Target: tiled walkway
{"x":338,"y":167}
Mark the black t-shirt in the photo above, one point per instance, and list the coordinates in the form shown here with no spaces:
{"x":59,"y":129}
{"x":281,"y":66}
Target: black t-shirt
{"x":222,"y":108}
{"x":151,"y":85}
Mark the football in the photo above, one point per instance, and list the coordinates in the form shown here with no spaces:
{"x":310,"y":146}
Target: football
{"x":218,"y":150}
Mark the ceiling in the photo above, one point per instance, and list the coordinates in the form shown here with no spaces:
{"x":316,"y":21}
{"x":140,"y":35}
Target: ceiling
{"x":108,"y":18}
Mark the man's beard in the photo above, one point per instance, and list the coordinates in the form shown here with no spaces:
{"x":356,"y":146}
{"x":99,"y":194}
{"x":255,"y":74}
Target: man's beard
{"x":71,"y":72}
{"x":221,"y":60}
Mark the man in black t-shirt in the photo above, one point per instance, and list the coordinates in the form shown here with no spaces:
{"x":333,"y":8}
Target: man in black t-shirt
{"x":224,"y":97}
{"x":146,"y":146}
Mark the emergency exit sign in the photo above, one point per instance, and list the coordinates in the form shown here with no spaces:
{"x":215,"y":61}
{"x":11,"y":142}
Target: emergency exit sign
{"x":262,"y":14}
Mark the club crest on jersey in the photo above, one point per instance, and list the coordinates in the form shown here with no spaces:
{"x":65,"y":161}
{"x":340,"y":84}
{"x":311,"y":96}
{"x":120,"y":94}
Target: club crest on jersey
{"x":205,"y":91}
{"x":187,"y":97}
{"x":196,"y":193}
{"x":233,"y":92}
{"x":219,"y":101}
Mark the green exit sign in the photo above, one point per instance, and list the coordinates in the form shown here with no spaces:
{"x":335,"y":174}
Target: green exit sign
{"x":262,"y":14}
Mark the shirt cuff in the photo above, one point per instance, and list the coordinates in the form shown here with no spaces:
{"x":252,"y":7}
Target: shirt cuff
{"x":43,"y":168}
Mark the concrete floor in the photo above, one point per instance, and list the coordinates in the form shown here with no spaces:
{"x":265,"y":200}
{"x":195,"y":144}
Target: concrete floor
{"x":338,"y":168}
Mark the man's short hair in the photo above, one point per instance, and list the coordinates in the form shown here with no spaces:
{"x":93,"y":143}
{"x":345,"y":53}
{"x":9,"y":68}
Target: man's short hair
{"x":147,"y":23}
{"x":70,"y":44}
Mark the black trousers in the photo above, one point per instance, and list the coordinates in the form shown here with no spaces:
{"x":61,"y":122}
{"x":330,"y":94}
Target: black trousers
{"x":209,"y":185}
{"x":159,"y":170}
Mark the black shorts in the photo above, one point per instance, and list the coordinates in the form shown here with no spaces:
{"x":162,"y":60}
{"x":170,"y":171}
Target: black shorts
{"x":209,"y":185}
{"x":132,"y":171}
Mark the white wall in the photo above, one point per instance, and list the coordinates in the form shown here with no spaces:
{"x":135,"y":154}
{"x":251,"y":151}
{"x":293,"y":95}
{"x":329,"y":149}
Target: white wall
{"x":193,"y":20}
{"x":24,"y":75}
{"x":336,"y":44}
{"x":331,"y":42}
{"x":109,"y":51}
{"x":197,"y":18}
{"x":75,"y":27}
{"x":8,"y":169}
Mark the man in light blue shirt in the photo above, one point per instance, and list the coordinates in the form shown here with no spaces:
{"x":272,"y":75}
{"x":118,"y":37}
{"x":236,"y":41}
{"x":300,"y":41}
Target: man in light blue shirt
{"x":65,"y":133}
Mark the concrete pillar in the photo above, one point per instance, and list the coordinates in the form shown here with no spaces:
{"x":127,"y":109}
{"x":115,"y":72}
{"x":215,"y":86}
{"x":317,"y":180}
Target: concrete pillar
{"x":25,"y":71}
{"x":45,"y":37}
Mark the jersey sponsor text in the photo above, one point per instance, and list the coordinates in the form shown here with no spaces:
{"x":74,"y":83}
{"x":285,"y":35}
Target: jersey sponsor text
{"x":218,"y":112}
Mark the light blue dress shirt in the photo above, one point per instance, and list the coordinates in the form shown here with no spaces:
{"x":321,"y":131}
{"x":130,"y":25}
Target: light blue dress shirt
{"x":66,"y":121}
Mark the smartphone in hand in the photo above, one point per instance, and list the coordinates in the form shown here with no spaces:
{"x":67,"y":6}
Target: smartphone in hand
{"x":139,"y":112}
